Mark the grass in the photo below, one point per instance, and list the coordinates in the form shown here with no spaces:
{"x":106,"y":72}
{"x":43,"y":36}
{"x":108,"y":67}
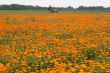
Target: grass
{"x":23,"y":11}
{"x":86,"y":11}
{"x":46,"y":11}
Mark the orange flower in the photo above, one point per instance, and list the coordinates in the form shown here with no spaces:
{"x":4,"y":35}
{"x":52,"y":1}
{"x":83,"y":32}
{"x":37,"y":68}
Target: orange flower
{"x":8,"y":66}
{"x":2,"y":67}
{"x":18,"y":71}
{"x":52,"y":71}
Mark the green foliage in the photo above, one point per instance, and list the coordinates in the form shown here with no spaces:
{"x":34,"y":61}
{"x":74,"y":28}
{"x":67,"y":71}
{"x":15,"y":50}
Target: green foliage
{"x":64,"y":36}
{"x":91,"y":53}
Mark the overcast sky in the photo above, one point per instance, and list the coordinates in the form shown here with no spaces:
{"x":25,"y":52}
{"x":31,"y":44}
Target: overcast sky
{"x":64,"y":3}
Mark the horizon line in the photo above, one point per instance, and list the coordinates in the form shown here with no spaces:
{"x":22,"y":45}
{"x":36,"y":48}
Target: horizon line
{"x":55,"y":6}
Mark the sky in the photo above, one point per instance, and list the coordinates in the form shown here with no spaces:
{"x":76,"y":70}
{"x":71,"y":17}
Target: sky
{"x":59,"y":3}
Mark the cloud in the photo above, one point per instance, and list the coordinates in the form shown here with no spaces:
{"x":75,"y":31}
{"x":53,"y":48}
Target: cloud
{"x":65,"y":3}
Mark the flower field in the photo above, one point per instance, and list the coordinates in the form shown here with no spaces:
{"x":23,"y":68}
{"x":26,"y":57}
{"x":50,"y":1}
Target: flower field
{"x":55,"y":43}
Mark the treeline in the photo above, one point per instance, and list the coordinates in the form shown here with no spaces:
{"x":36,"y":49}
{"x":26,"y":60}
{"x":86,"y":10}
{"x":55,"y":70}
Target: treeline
{"x":19,"y":7}
{"x":93,"y":8}
{"x":26,"y":7}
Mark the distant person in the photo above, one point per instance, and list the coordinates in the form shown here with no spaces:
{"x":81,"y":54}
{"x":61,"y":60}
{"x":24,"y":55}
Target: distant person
{"x":53,"y":10}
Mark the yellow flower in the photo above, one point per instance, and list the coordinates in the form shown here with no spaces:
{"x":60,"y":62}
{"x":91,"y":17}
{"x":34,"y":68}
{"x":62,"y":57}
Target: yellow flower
{"x":81,"y":71}
{"x":83,"y":65}
{"x":23,"y":63}
{"x":70,"y":64}
{"x":18,"y":71}
{"x":73,"y":69}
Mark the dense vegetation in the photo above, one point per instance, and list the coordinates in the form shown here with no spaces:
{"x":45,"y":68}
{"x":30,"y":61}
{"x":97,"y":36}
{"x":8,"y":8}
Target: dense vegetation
{"x":22,"y":7}
{"x":54,"y":43}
